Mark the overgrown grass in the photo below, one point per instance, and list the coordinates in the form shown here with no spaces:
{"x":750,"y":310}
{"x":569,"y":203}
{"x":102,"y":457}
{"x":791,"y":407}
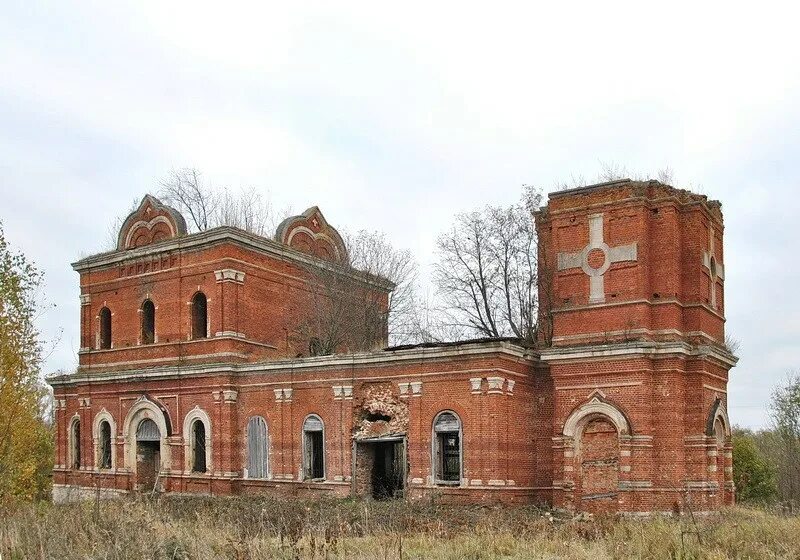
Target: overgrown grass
{"x":252,"y":528}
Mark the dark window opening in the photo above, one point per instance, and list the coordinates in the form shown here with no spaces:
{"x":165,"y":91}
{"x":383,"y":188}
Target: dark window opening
{"x":148,"y":322}
{"x":314,"y":450}
{"x":447,"y":430}
{"x":199,"y":316}
{"x":199,"y":447}
{"x":105,"y":445}
{"x":76,"y":444}
{"x":105,"y":328}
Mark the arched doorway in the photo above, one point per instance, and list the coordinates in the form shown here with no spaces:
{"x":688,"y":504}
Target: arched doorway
{"x":148,"y":455}
{"x":597,"y":480}
{"x":146,"y":447}
{"x":594,"y":429}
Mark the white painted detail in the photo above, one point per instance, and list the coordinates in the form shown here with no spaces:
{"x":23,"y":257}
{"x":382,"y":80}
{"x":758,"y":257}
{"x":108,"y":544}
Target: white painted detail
{"x":620,"y":253}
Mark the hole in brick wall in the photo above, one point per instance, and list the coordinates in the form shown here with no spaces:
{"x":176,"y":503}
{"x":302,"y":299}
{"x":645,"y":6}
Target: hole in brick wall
{"x":654,"y":210}
{"x":374,"y":417}
{"x":613,"y":295}
{"x":656,"y":295}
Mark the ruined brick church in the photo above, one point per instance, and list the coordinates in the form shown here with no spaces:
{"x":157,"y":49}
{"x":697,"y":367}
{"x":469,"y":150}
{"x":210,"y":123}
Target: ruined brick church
{"x":189,"y":383}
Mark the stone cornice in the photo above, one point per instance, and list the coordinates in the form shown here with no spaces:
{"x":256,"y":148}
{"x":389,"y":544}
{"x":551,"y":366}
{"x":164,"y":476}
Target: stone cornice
{"x":311,"y":364}
{"x":637,"y":349}
{"x":203,"y":239}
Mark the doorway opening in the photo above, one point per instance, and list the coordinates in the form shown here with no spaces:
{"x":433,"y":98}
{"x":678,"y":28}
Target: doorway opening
{"x":381,"y":469}
{"x":148,"y":455}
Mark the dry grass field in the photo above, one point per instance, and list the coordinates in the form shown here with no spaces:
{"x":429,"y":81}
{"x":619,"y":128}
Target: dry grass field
{"x":250,"y":528}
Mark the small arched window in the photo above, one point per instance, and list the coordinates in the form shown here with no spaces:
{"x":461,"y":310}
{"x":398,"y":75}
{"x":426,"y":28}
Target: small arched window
{"x":198,"y":446}
{"x":257,"y":448}
{"x":313,"y":448}
{"x":105,"y":328}
{"x":199,"y":316}
{"x":75,"y":444}
{"x":105,"y":445}
{"x":447,"y":458}
{"x":148,"y":322}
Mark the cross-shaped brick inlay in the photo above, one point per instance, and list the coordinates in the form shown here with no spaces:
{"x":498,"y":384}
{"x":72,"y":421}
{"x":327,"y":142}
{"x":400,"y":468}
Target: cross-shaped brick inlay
{"x":716,"y":271}
{"x":596,"y":258}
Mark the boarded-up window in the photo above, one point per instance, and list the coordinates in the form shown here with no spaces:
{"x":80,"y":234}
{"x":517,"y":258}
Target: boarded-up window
{"x":313,"y":448}
{"x":148,"y":322}
{"x":105,"y":328}
{"x":447,"y":447}
{"x":198,"y":447}
{"x":257,"y":448}
{"x":105,"y":445}
{"x":75,"y":444}
{"x":199,"y":316}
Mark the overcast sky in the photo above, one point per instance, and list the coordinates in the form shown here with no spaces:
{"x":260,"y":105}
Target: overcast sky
{"x":395,"y":119}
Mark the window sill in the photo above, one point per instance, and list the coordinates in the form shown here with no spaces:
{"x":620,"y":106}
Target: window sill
{"x":450,"y":483}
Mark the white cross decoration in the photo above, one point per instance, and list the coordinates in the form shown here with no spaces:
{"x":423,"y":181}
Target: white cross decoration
{"x":716,"y":271}
{"x":620,"y":253}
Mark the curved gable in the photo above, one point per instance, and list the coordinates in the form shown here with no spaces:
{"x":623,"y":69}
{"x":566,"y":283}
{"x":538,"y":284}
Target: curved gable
{"x":151,"y":222}
{"x":310,"y":233}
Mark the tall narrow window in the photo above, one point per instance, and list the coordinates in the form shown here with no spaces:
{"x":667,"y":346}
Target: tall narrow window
{"x":447,"y":448}
{"x":148,"y":322}
{"x":75,"y":444}
{"x":199,"y":316}
{"x":257,"y":448}
{"x":313,"y":448}
{"x":105,"y":445}
{"x":105,"y":328}
{"x":198,"y":447}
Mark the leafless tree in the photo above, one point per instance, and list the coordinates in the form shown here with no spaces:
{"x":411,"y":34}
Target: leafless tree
{"x":185,"y":190}
{"x":208,"y":207}
{"x":362,"y":305}
{"x":486,"y":273}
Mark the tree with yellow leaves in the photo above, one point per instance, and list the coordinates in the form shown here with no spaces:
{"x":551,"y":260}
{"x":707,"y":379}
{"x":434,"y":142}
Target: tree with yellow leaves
{"x":26,"y":447}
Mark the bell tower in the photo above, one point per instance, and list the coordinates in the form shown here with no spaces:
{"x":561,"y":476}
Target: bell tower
{"x":632,"y":303}
{"x":629,"y":260}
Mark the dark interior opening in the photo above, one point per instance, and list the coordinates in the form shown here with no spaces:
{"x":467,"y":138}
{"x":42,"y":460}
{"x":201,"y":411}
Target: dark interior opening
{"x":374,"y":417}
{"x":105,"y":445}
{"x":105,"y":328}
{"x":199,"y":316}
{"x":315,"y":459}
{"x":148,"y":322}
{"x":199,"y":458}
{"x":388,"y":470}
{"x":449,"y":455}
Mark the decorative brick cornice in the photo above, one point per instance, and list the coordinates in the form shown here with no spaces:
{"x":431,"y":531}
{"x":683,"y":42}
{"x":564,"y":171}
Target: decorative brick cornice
{"x":342,"y":392}
{"x":475,"y":385}
{"x":85,"y":299}
{"x":283,"y":395}
{"x":230,"y":396}
{"x":229,"y":275}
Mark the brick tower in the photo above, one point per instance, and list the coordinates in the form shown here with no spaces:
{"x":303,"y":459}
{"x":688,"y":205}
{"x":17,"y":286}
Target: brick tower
{"x":633,"y":276}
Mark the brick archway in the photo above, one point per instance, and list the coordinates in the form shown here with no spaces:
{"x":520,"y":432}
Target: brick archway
{"x":593,"y":430}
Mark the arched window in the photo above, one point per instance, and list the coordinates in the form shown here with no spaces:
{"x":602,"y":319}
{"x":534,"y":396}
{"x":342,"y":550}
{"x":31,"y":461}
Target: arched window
{"x":198,"y":446}
{"x":257,"y":448}
{"x":105,"y":328}
{"x":199,"y":316}
{"x":148,"y":322}
{"x":447,"y":448}
{"x":313,"y":448}
{"x":105,"y":445}
{"x":75,"y":444}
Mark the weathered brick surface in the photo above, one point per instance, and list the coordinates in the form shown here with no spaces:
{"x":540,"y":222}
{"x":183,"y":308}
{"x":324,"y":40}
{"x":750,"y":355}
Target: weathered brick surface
{"x":624,"y":412}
